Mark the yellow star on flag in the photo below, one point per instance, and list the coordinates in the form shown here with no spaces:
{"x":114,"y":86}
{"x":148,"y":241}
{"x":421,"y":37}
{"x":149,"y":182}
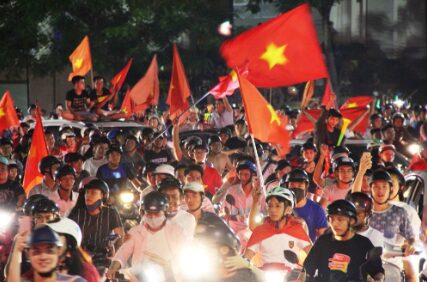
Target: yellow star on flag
{"x":233,"y":75}
{"x":2,"y":114}
{"x":33,"y":153}
{"x":125,"y":110}
{"x":78,"y":62}
{"x":351,"y":105}
{"x":274,"y":55}
{"x":274,"y":117}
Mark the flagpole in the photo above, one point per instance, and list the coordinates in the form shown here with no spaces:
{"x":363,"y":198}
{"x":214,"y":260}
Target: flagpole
{"x":91,"y":78}
{"x":167,"y":128}
{"x":258,"y":165}
{"x":271,"y":94}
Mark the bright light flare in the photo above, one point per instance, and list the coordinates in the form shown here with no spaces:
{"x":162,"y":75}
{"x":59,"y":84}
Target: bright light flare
{"x":414,"y":148}
{"x":127,"y":197}
{"x":275,"y":276}
{"x":6,"y":219}
{"x":197,"y":261}
{"x":399,"y":103}
{"x":225,"y":28}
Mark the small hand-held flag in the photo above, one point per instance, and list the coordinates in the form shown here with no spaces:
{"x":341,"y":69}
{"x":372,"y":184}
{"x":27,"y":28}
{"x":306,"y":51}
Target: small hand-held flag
{"x":81,"y":59}
{"x":127,"y":105}
{"x":279,"y":52}
{"x":345,"y":124}
{"x":263,"y":121}
{"x":119,"y":78}
{"x":179,"y":90}
{"x":8,"y":116}
{"x":38,"y":151}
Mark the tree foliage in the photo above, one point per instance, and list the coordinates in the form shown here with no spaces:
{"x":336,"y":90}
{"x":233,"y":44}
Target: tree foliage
{"x":41,"y":34}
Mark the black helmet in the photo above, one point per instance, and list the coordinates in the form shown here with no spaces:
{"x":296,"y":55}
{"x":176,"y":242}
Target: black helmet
{"x":297,"y":175}
{"x":44,"y":206}
{"x":72,"y":157}
{"x":334,"y":113}
{"x":361,"y":201}
{"x":343,"y":161}
{"x":396,"y":172}
{"x":170,"y":182}
{"x":381,"y":174}
{"x":246,"y":165}
{"x":47,"y":162}
{"x":113,"y":148}
{"x":342,"y":207}
{"x":65,"y":170}
{"x":375,"y":116}
{"x":155,"y":202}
{"x":98,"y":184}
{"x":218,"y":234}
{"x":214,"y":139}
{"x":44,"y":234}
{"x":202,"y":146}
{"x":29,"y":203}
{"x":339,"y":152}
{"x":308,"y":146}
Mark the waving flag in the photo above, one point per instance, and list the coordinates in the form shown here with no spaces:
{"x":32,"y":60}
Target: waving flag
{"x":146,"y":90}
{"x":8,"y":116}
{"x":179,"y":90}
{"x":263,"y":121}
{"x":226,"y":86}
{"x":282,"y":51}
{"x":38,"y":151}
{"x":358,"y":101}
{"x":118,"y":79}
{"x":81,"y":59}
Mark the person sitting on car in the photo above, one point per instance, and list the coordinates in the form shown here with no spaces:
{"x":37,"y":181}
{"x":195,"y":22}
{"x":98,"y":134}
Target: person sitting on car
{"x":105,"y":100}
{"x":78,"y":102}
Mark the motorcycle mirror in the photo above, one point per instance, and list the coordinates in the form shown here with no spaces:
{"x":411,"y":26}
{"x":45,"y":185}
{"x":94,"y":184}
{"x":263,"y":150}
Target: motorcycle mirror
{"x":291,"y":256}
{"x":230,"y":199}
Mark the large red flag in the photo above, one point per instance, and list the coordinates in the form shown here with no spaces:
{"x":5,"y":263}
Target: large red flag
{"x":38,"y":151}
{"x":263,"y":121}
{"x":119,"y":78}
{"x":179,"y":90}
{"x":281,"y":51}
{"x":81,"y":59}
{"x":8,"y":116}
{"x":146,"y":91}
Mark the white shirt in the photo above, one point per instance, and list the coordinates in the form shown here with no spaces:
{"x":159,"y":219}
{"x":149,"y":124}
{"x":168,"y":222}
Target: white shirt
{"x":186,"y":220}
{"x":222,"y":120}
{"x":92,"y":165}
{"x":413,"y":217}
{"x":374,"y":235}
{"x":65,"y":207}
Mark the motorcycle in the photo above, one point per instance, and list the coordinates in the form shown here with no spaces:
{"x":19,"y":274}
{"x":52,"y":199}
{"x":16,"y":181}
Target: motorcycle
{"x":127,"y":201}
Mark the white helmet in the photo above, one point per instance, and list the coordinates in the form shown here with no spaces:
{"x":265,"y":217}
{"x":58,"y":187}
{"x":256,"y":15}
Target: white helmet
{"x":67,"y":226}
{"x":282,"y":193}
{"x":195,"y":187}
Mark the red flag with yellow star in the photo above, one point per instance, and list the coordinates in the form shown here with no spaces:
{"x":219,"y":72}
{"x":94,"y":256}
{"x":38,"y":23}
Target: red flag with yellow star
{"x":8,"y":116}
{"x":263,"y":121}
{"x":119,"y":78}
{"x":146,"y":90}
{"x":81,"y":59}
{"x":226,"y":86}
{"x":38,"y":151}
{"x":179,"y":90}
{"x":282,"y":51}
{"x":358,"y":101}
{"x":127,"y":105}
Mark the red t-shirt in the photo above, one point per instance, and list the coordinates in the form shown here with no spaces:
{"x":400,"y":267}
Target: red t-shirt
{"x":211,"y":179}
{"x":418,"y":163}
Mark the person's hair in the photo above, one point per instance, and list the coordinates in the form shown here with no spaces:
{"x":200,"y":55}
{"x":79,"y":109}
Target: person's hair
{"x":75,"y":261}
{"x":96,"y":78}
{"x":77,"y":78}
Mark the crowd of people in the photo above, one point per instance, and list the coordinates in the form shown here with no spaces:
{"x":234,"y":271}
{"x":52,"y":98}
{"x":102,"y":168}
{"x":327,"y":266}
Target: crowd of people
{"x":213,"y":206}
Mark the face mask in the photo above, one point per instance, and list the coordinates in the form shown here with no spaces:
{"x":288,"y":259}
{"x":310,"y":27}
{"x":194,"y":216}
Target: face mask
{"x":94,"y":206}
{"x":155,"y":222}
{"x":299,"y":194}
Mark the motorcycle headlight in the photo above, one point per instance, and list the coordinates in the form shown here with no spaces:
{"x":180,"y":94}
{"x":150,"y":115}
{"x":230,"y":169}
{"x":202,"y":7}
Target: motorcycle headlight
{"x":414,"y":148}
{"x":201,"y":259}
{"x":127,"y":197}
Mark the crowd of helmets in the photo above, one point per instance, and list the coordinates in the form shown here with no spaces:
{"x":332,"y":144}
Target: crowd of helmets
{"x":391,"y":131}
